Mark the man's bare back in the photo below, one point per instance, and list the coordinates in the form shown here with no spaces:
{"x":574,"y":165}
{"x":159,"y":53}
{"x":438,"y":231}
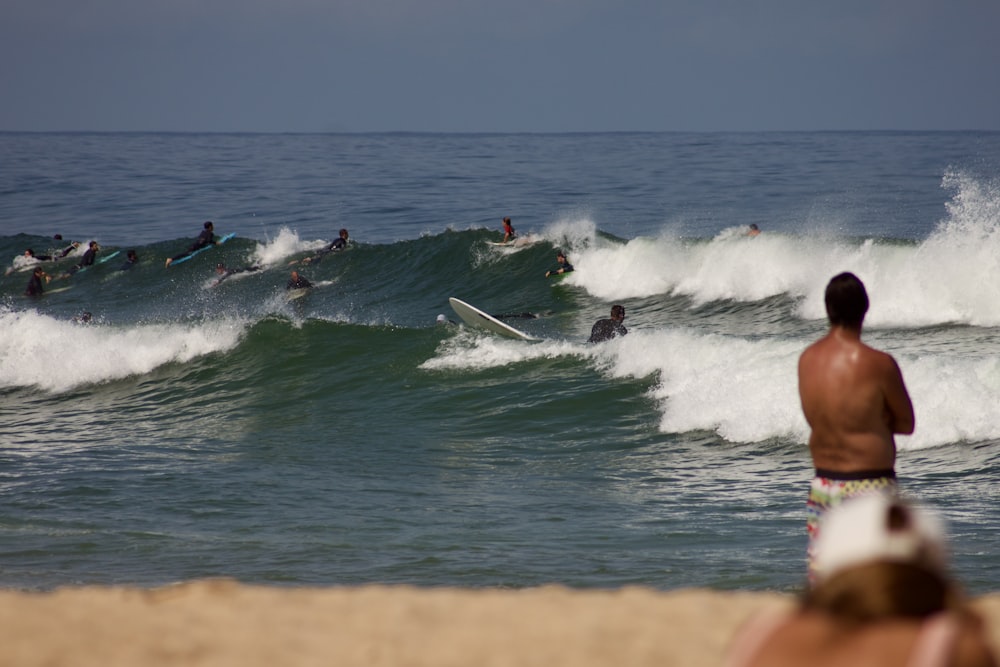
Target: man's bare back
{"x":854,"y":399}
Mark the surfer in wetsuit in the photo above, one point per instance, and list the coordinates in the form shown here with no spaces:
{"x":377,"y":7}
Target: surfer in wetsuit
{"x":339,"y":243}
{"x":131,"y":260}
{"x":508,"y":231}
{"x":206,"y":238}
{"x":224,"y":272}
{"x":30,"y":254}
{"x":68,"y":249}
{"x":297,"y":282}
{"x":85,"y":261}
{"x":30,"y":259}
{"x":35,"y":285}
{"x":563,"y":265}
{"x":608,"y":328}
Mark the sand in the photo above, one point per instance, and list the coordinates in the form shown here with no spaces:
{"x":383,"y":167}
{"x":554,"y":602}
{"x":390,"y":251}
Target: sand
{"x":221,"y":622}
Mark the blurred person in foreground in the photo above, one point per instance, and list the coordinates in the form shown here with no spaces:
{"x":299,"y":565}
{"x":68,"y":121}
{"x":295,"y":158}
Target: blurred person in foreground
{"x":882,"y":597}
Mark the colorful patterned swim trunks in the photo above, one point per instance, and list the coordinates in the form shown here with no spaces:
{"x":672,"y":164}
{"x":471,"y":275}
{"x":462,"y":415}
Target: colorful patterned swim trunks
{"x":830,"y":488}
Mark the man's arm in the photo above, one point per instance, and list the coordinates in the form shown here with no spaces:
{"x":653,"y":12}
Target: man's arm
{"x":897,"y":399}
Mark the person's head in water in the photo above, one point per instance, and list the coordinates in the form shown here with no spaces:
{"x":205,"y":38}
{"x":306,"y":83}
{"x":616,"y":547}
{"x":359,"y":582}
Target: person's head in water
{"x":132,"y":257}
{"x":220,"y":268}
{"x":343,"y":234}
{"x":618,"y":313}
{"x":846,"y":301}
{"x":209,"y":225}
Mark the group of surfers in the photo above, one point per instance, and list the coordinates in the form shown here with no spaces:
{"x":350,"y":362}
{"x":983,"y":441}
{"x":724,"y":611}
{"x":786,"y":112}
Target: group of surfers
{"x":39,"y":278}
{"x":605,"y":328}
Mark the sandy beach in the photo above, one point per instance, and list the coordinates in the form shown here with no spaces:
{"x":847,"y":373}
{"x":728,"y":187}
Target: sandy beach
{"x":221,"y":622}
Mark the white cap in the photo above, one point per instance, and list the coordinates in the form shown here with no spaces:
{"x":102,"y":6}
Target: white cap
{"x":879,"y":527}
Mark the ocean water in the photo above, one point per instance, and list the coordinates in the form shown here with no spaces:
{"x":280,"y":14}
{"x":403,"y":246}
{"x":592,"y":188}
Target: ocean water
{"x":193,"y":430}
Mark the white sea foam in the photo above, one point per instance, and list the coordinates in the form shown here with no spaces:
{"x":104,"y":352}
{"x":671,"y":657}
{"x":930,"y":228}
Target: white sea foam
{"x":746,"y":391}
{"x":471,"y":349}
{"x":57,"y":355}
{"x":951,"y":277}
{"x":285,"y":244}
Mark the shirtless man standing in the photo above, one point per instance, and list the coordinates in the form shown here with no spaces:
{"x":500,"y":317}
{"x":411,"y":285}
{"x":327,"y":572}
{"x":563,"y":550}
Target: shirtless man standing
{"x":855,"y":401}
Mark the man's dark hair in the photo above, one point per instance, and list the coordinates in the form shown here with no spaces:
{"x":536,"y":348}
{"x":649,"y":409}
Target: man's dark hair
{"x":846,"y":300}
{"x":618,"y":312}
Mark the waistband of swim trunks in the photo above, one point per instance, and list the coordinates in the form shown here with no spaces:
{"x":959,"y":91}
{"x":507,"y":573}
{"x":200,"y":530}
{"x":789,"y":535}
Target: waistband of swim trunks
{"x":855,"y":474}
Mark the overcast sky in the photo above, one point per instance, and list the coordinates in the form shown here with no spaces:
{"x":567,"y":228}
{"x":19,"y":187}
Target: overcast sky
{"x":499,"y":65}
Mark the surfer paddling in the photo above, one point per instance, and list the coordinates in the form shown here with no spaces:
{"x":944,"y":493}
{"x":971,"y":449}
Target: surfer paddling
{"x":205,"y":238}
{"x":609,"y":327}
{"x":338,"y":244}
{"x":87,"y":260}
{"x":562,"y":265}
{"x":297,"y":281}
{"x":27,"y":260}
{"x":855,"y":401}
{"x":223,"y":272}
{"x":29,"y":254}
{"x":131,"y":260}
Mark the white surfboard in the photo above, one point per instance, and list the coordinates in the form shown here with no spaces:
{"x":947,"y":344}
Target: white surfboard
{"x":516,"y":242}
{"x":477,"y":318}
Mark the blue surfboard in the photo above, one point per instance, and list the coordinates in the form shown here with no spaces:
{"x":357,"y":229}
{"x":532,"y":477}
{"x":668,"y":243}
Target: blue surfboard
{"x":84,"y":268}
{"x":201,"y":250}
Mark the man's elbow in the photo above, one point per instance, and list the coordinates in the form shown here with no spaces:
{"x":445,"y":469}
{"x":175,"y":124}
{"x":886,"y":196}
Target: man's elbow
{"x":904,"y":427}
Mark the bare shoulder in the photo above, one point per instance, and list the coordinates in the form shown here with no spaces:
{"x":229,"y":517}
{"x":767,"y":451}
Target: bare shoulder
{"x":882,"y":360}
{"x":973,"y":648}
{"x":816,"y":350}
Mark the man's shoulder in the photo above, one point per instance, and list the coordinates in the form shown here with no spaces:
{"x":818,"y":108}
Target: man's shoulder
{"x":862,"y":358}
{"x":814,"y":349}
{"x":875,"y":352}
